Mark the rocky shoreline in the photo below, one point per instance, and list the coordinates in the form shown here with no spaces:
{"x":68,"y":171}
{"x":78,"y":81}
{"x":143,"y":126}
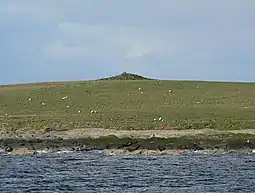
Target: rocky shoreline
{"x":112,"y":145}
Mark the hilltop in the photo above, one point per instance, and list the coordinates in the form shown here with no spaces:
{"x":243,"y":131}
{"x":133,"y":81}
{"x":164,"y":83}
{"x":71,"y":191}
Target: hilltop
{"x":126,"y":76}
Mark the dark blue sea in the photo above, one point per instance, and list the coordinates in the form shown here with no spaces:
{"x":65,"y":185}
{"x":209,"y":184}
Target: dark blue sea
{"x":94,"y":172}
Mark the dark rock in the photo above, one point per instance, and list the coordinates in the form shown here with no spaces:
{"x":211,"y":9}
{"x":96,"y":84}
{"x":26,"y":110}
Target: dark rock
{"x":39,"y":140}
{"x":249,"y":144}
{"x":236,"y":144}
{"x":125,"y":145}
{"x":8,"y":149}
{"x":161,"y":148}
{"x":80,"y":148}
{"x":133,"y":147}
{"x":88,"y":148}
{"x":150,"y":146}
{"x":190,"y":146}
{"x":197,"y":147}
{"x":47,"y":130}
{"x":102,"y":146}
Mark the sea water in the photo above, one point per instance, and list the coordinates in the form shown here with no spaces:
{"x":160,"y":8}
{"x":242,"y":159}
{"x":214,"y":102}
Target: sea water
{"x":95,"y":172}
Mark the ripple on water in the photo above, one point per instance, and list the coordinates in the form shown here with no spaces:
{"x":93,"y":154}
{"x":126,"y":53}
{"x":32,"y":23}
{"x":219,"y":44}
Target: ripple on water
{"x":94,"y":172}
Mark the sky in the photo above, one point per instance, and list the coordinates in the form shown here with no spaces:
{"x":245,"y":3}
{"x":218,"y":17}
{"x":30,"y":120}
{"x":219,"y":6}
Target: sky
{"x":56,"y":40}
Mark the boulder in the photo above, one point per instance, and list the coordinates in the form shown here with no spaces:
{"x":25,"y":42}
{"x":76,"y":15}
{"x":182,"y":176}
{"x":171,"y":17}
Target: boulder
{"x":117,"y":152}
{"x":23,"y":151}
{"x":157,"y":152}
{"x":8,"y":149}
{"x":82,"y":148}
{"x":149,"y":152}
{"x":173,"y":152}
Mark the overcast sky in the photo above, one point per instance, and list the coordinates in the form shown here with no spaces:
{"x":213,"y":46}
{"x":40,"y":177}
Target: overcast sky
{"x":47,"y":40}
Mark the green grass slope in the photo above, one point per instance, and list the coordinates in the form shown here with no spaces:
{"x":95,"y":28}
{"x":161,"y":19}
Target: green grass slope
{"x":128,"y":104}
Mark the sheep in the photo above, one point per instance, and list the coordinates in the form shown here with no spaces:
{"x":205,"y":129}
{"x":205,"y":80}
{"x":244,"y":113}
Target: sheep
{"x":65,"y":97}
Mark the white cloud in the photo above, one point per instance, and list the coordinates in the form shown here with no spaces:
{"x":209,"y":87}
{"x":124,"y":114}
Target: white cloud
{"x":99,"y":40}
{"x":129,"y":42}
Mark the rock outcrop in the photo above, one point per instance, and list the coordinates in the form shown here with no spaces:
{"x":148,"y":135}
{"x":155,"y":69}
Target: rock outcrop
{"x":23,"y":151}
{"x":119,"y":152}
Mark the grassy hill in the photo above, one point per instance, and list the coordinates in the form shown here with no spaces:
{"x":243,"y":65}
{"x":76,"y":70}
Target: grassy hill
{"x":128,"y":104}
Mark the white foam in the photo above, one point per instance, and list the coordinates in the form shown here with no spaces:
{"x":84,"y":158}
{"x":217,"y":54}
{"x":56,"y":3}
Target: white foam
{"x":42,"y":151}
{"x":200,"y":152}
{"x":64,"y":151}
